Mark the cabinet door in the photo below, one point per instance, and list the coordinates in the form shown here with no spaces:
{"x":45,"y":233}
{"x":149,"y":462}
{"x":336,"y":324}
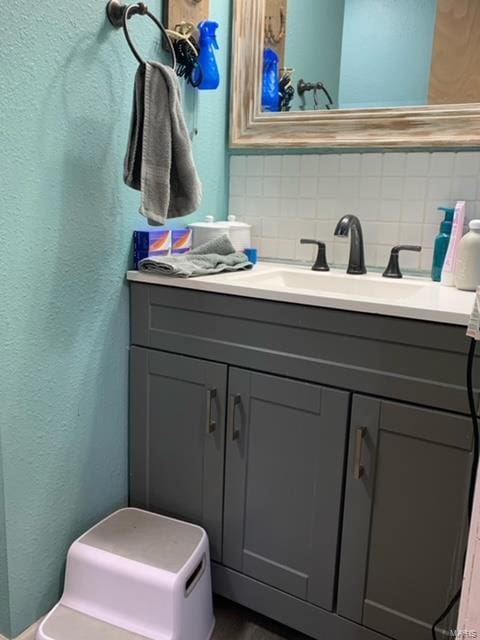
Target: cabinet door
{"x":177,"y":438}
{"x":284,"y":472}
{"x":405,"y":519}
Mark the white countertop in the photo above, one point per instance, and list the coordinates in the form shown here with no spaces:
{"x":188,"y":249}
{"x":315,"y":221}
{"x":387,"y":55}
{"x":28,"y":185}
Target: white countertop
{"x":411,"y":297}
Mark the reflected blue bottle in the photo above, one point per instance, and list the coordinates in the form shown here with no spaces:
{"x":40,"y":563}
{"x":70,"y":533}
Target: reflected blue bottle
{"x":208,"y":64}
{"x":441,"y":243}
{"x":271,"y":81}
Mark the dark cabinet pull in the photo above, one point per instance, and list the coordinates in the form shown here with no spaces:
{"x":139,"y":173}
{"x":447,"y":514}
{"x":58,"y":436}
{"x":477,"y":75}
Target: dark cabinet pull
{"x":211,"y":424}
{"x":234,"y":402}
{"x":359,"y":469}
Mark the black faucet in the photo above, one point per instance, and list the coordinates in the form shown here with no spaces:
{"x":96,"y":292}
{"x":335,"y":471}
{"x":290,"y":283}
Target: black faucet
{"x":321,"y":263}
{"x":351,"y":224}
{"x":393,"y":267}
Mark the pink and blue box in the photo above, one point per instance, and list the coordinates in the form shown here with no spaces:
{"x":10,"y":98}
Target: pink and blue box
{"x":161,"y":242}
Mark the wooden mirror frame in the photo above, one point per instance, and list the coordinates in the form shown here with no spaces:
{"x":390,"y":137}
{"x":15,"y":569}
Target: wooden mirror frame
{"x":427,"y":127}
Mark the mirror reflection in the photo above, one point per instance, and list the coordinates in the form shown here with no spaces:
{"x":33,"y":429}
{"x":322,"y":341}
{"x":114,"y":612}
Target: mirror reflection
{"x":358,"y":54}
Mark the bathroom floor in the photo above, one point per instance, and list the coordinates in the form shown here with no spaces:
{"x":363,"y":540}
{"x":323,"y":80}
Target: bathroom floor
{"x":238,"y":623}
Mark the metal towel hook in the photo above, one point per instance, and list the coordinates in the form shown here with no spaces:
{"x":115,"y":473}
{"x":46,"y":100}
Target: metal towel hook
{"x":119,"y":14}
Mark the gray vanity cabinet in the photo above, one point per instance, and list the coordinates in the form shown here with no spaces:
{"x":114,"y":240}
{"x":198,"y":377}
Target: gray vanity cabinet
{"x":286,"y":443}
{"x":177,"y":408}
{"x":404,"y":528}
{"x":327,"y":454}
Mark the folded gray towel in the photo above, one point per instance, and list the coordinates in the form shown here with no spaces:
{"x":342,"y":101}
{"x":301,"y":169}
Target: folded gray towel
{"x":159,"y":160}
{"x":212,"y":257}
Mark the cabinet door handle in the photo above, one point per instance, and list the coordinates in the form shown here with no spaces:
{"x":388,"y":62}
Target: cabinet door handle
{"x":234,"y":402}
{"x":359,"y":469}
{"x":211,"y":424}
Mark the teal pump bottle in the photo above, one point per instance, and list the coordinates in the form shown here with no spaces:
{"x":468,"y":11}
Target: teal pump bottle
{"x":441,"y":243}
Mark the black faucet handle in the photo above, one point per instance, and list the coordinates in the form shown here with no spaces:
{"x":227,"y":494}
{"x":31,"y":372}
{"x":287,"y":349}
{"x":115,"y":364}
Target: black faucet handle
{"x":321,"y":263}
{"x":393,"y":267}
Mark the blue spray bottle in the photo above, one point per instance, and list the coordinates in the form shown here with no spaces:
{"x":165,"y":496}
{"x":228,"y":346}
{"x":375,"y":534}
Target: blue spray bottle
{"x":208,"y":64}
{"x":441,"y":243}
{"x":271,"y":81}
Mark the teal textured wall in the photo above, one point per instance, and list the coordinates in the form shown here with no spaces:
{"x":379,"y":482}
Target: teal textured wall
{"x":386,"y":52}
{"x":4,"y":601}
{"x":367,"y":52}
{"x":314,"y":45}
{"x":67,"y":219}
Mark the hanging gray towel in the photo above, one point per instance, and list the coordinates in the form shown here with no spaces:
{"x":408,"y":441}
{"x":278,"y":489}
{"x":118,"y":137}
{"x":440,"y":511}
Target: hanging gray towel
{"x":216,"y":256}
{"x":159,"y":160}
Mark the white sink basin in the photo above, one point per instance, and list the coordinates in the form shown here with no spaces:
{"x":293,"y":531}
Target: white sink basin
{"x":412,"y":297}
{"x":339,"y":284}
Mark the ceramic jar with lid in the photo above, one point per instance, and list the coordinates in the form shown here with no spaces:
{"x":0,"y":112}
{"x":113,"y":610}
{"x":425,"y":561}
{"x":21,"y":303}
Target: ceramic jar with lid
{"x":238,"y":232}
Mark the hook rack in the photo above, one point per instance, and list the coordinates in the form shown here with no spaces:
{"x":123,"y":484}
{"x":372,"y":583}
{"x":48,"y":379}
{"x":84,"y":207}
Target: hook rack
{"x":270,"y":37}
{"x":119,"y":14}
{"x":303,"y":87}
{"x":176,"y":11}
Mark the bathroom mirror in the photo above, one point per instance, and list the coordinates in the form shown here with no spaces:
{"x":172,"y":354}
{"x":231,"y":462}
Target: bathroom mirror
{"x":349,"y":73}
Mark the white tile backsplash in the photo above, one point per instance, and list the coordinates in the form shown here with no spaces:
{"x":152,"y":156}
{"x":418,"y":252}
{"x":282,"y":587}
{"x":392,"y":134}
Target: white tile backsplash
{"x":392,"y":187}
{"x":350,"y":164}
{"x":439,"y":188}
{"x":467,"y":164}
{"x":254,"y":186}
{"x":466,"y":186}
{"x":271,"y":186}
{"x":370,"y":186}
{"x":394,"y":164}
{"x":308,"y":186}
{"x":291,"y":166}
{"x":414,"y":188}
{"x":371,"y":164}
{"x":329,"y":165}
{"x":442,"y":164}
{"x":395,"y":195}
{"x":273,"y":166}
{"x":310,"y":166}
{"x":390,"y":210}
{"x":255,"y":165}
{"x":417,"y":164}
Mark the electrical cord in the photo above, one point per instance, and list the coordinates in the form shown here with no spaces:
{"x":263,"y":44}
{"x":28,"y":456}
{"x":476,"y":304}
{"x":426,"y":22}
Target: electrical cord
{"x":473,"y":478}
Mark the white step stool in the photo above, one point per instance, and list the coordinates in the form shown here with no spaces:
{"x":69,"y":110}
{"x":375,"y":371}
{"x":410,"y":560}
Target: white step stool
{"x":135,"y":576}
